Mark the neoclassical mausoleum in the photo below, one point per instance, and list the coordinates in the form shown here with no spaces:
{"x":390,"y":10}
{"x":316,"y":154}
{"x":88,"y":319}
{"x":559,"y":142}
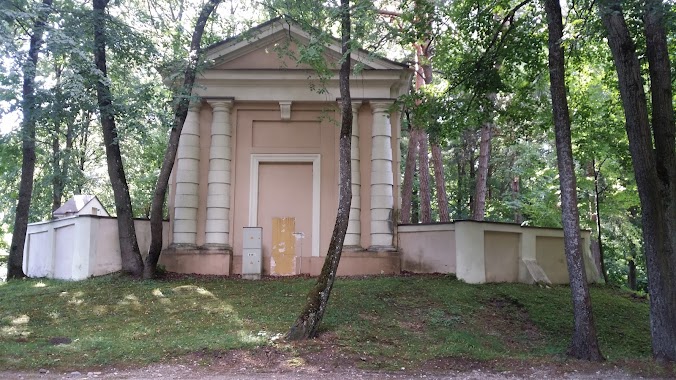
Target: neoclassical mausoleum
{"x":255,"y":184}
{"x":261,"y":150}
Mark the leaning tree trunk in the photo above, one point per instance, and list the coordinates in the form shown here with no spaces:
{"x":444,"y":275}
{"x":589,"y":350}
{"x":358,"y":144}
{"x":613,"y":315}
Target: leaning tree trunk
{"x":584,"y":344}
{"x":15,"y":264}
{"x":307,"y":323}
{"x":440,"y":182}
{"x":659,"y":249}
{"x":409,"y":173}
{"x":131,"y":257}
{"x":181,"y":105}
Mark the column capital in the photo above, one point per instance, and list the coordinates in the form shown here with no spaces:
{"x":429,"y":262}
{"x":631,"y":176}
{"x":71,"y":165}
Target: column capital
{"x":194,"y":106}
{"x":381,"y":105}
{"x":356,"y":105}
{"x":220,"y":104}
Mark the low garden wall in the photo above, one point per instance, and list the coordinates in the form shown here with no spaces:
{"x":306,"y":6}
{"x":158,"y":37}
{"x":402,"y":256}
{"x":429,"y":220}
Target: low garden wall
{"x":479,"y":252}
{"x":78,"y":247}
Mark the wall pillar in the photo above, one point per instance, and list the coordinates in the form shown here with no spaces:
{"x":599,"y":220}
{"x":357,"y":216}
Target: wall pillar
{"x":382,"y":178}
{"x":470,"y":256}
{"x":187,"y":182}
{"x":353,"y":236}
{"x":218,"y":196}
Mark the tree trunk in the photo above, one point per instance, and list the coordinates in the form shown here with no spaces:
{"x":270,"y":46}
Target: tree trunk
{"x":131,"y":257}
{"x":470,"y":144}
{"x":415,"y":199}
{"x":409,"y":173}
{"x":440,"y":182}
{"x":28,"y":106}
{"x":598,"y":242}
{"x":307,"y":323}
{"x":83,"y":142}
{"x":181,"y":105}
{"x":459,"y":195}
{"x":664,"y":129}
{"x":481,"y":188}
{"x":658,"y":246}
{"x":631,"y":276}
{"x":584,"y":344}
{"x":516,"y":195}
{"x":58,"y":179}
{"x":424,"y":173}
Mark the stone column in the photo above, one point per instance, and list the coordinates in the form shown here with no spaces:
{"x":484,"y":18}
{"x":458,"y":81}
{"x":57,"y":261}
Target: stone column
{"x":187,"y":181}
{"x":382,"y":178}
{"x":353,"y":236}
{"x":218,"y":198}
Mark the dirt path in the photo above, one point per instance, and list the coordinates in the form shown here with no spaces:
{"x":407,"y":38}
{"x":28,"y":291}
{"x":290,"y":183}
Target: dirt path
{"x":266,"y":364}
{"x":192,"y":373}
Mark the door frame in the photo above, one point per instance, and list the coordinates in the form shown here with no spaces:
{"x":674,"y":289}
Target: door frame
{"x":315,"y":159}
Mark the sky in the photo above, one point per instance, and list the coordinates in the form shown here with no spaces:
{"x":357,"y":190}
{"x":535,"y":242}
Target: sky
{"x":9,"y":120}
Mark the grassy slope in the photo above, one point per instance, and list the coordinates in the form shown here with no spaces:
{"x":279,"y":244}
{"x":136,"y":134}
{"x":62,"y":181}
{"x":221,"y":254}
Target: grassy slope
{"x":394,"y":321}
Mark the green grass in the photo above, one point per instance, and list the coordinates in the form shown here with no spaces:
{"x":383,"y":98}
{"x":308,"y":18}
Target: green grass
{"x":392,"y":321}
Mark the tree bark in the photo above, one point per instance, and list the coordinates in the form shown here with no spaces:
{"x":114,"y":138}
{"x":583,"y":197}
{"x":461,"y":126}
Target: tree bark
{"x":181,"y":105}
{"x":658,"y":246}
{"x":415,"y":200}
{"x":440,"y":182}
{"x":584,"y":344}
{"x":131,"y":257}
{"x":409,"y":173}
{"x":307,"y":323}
{"x":29,"y":107}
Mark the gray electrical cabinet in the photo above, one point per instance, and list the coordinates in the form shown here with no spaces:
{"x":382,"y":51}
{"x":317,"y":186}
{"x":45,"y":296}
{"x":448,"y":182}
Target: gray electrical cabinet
{"x":252,"y":255}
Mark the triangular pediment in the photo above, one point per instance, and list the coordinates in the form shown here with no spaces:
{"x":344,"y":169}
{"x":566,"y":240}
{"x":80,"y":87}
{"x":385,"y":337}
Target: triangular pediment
{"x":275,"y":45}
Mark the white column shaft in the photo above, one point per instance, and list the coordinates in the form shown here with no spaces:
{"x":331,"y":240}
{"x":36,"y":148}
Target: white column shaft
{"x":353,"y":236}
{"x":187,"y":181}
{"x":218,"y":199}
{"x":382,"y":177}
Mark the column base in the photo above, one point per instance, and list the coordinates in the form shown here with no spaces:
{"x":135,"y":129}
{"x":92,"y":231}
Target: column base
{"x":353,"y":248}
{"x":217,"y":247}
{"x":382,"y":248}
{"x":182,"y":246}
{"x":179,"y":259}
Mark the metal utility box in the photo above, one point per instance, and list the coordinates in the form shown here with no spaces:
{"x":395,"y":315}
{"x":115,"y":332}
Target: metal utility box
{"x":252,"y":255}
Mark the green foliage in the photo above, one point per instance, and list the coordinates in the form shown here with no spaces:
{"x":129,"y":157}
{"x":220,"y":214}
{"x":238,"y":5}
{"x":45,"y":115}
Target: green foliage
{"x":391,"y":321}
